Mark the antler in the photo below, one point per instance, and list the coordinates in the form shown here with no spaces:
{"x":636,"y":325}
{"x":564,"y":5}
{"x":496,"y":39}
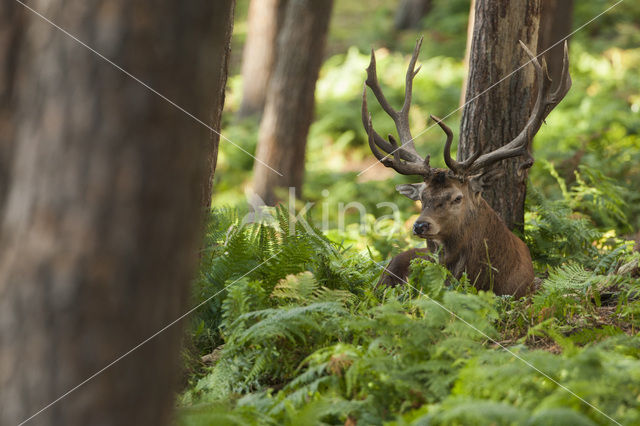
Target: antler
{"x":545,"y":103}
{"x":405,"y":159}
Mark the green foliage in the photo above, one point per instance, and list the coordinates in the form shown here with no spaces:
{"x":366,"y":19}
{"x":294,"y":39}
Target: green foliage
{"x":309,"y":338}
{"x":397,"y":346}
{"x":241,"y":256}
{"x":565,"y":288}
{"x":570,"y":228}
{"x":601,"y":198}
{"x":591,"y":373}
{"x":618,"y":27}
{"x":555,"y":232}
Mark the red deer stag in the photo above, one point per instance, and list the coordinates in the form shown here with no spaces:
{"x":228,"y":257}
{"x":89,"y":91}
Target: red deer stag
{"x":471,"y":236}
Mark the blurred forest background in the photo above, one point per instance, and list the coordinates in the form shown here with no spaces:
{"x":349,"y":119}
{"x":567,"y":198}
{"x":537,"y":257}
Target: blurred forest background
{"x":592,"y":132}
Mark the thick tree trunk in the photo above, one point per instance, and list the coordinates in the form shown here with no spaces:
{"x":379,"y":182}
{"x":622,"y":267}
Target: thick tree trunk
{"x":410,"y":13}
{"x":223,"y":12}
{"x":492,"y":119}
{"x":258,"y":56}
{"x":290,"y":99}
{"x":556,"y":19}
{"x":102,"y":218}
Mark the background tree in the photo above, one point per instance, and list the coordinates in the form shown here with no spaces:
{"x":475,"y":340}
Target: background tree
{"x":497,"y":116}
{"x":220,"y":48}
{"x":258,"y":57}
{"x":556,"y":19}
{"x":102,"y":217}
{"x":410,"y":13}
{"x":289,"y":106}
{"x":467,"y":50}
{"x":11,"y":32}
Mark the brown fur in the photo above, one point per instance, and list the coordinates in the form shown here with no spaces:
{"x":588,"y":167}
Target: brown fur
{"x":473,"y":239}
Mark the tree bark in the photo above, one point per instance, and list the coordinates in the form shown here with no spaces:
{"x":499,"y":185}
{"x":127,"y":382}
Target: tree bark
{"x":102,"y":219}
{"x":290,"y":98}
{"x":556,"y":20}
{"x":258,"y":57}
{"x":492,"y":119}
{"x":410,"y":13}
{"x":223,"y":12}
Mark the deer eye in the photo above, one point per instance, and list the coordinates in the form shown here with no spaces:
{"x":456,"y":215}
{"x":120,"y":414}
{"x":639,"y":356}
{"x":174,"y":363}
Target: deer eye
{"x":457,"y":199}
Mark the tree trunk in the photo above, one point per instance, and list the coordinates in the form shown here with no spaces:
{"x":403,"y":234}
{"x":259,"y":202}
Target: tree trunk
{"x":223,"y":12}
{"x":264,"y":21}
{"x":102,"y":217}
{"x":11,"y":33}
{"x":556,"y":19}
{"x":290,"y":98}
{"x":492,"y":119}
{"x":410,"y":13}
{"x":467,"y":50}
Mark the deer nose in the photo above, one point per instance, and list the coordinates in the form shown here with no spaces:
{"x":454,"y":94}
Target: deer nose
{"x":420,"y":228}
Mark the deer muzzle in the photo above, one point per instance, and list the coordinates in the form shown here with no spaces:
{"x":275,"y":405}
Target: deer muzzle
{"x":422,"y":228}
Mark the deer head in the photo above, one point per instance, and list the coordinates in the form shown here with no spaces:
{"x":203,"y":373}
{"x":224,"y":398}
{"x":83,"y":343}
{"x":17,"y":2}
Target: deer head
{"x":450,"y":196}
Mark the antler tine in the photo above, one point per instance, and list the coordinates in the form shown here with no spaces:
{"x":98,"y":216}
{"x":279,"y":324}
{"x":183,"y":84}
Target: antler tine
{"x":450,"y":162}
{"x":379,"y":140}
{"x":565,"y":77}
{"x":376,"y":152}
{"x":400,"y":118}
{"x":545,"y":103}
{"x":455,"y":166}
{"x":372,"y":82}
{"x":366,"y":116}
{"x":411,"y":74}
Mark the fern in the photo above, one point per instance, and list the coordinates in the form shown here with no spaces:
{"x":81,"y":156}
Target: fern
{"x":601,"y":198}
{"x":243,"y":297}
{"x":466,"y":411}
{"x":278,"y":339}
{"x":308,"y":339}
{"x":235,"y":250}
{"x":291,"y":324}
{"x":570,"y":289}
{"x":304,"y":289}
{"x":555,"y":233}
{"x":589,"y":373}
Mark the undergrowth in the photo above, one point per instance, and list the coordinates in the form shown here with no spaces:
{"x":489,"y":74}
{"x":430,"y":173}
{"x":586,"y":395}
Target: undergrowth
{"x":297,"y":334}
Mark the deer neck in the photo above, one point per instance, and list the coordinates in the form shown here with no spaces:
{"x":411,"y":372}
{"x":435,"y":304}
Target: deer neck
{"x":472,"y":241}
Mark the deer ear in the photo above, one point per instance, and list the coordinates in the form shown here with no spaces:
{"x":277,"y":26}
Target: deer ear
{"x":478,"y":183}
{"x":411,"y":190}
